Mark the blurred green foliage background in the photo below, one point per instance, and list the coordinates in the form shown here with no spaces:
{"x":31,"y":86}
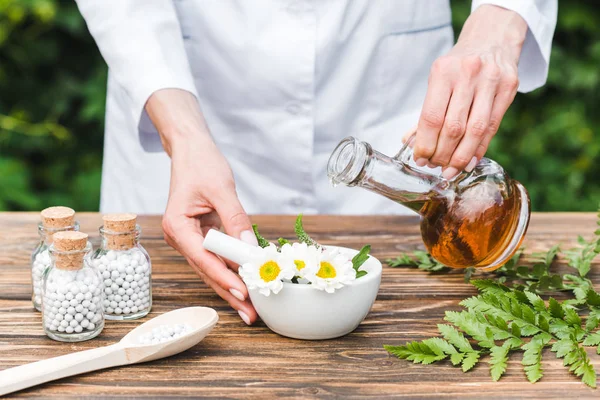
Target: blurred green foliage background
{"x":53,"y":87}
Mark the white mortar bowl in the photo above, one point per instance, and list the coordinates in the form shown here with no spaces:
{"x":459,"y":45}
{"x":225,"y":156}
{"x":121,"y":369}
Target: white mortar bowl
{"x":303,"y":312}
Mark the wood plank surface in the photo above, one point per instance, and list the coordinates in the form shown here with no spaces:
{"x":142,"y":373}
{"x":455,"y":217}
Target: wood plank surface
{"x":237,"y":361}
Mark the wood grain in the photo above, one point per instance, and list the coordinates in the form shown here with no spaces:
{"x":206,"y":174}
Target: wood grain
{"x":236,"y":361}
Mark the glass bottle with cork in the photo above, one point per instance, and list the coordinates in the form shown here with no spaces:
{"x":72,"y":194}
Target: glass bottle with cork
{"x":478,"y":219}
{"x":125,"y":267}
{"x":53,"y":220}
{"x":72,"y":291}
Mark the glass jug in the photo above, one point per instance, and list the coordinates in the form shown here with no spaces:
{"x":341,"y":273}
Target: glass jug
{"x":478,"y":219}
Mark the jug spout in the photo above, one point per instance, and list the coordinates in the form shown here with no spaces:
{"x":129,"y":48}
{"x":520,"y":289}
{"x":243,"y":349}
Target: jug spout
{"x":356,"y":163}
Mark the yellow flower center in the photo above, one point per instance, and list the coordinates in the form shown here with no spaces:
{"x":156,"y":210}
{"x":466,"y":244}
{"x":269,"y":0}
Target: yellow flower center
{"x":269,"y":271}
{"x":326,"y":271}
{"x":299,"y":264}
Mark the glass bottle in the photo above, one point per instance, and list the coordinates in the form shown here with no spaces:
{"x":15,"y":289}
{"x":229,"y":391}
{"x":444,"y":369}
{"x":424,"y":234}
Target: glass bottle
{"x":53,"y":219}
{"x":478,"y":219}
{"x":125,"y":267}
{"x":72,"y":290}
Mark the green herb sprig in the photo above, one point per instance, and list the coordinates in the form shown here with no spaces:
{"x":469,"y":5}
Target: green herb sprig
{"x":509,"y":316}
{"x":357,"y":261}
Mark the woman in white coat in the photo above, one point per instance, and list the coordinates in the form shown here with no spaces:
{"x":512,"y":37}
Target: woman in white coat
{"x":202,"y":91}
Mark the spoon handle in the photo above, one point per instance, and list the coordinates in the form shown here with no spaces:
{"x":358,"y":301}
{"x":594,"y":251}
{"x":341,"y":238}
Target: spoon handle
{"x":39,"y":372}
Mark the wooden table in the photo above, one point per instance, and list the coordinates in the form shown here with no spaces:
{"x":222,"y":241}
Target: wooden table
{"x":237,"y":361}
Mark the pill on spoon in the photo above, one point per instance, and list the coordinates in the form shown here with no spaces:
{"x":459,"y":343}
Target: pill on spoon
{"x":164,"y":333}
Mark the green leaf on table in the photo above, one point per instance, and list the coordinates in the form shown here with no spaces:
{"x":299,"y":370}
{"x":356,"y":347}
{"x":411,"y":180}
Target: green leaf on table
{"x":498,"y":361}
{"x":418,"y":258}
{"x":417,"y":352}
{"x":454,"y":337}
{"x":470,"y":361}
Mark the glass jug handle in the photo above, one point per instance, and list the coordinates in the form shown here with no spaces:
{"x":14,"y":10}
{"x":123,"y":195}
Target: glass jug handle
{"x":405,"y":156}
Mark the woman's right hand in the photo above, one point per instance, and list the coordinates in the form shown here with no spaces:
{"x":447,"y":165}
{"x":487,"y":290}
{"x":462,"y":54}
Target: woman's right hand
{"x":202,"y":195}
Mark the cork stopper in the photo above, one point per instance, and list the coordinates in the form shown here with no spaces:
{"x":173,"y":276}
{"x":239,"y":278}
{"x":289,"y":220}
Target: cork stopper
{"x":120,"y":231}
{"x":58,"y":217}
{"x":69,"y":249}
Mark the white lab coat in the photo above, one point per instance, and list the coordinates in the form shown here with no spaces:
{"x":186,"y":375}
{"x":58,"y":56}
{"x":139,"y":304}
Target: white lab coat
{"x":280,"y":83}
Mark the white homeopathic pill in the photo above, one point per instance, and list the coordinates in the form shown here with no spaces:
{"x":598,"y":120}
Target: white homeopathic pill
{"x":164,"y":333}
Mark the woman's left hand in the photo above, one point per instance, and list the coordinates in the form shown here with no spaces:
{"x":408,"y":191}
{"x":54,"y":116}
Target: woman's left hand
{"x":469,"y":91}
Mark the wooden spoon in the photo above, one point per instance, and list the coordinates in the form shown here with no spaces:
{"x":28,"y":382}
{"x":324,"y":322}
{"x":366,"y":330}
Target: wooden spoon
{"x":128,"y":351}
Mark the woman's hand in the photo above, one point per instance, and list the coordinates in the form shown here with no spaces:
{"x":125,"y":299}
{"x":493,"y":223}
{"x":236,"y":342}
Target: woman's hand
{"x":202,"y":195}
{"x":470,"y":90}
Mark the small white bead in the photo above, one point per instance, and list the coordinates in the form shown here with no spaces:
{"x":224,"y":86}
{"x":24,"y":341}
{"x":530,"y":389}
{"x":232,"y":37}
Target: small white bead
{"x":78,"y":329}
{"x":69,"y":329}
{"x":118,"y":311}
{"x":78,"y":317}
{"x":91,"y":326}
{"x":71,"y":310}
{"x":73,"y":323}
{"x":84,"y":323}
{"x":110,"y":310}
{"x":68,"y":318}
{"x":90,"y":315}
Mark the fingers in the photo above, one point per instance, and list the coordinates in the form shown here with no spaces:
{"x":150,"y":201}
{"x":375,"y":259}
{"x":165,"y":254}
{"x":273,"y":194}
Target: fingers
{"x":433,"y":113}
{"x":244,"y":308}
{"x":477,"y":128}
{"x":506,"y":94}
{"x":454,"y":126}
{"x":184,"y":235}
{"x":234,"y":218}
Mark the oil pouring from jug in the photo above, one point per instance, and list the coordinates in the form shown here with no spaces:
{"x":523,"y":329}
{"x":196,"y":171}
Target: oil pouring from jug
{"x":478,"y":219}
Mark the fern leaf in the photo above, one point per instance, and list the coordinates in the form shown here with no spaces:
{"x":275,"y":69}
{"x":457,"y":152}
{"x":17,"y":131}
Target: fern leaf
{"x":417,"y":352}
{"x":454,"y":337}
{"x":498,"y":361}
{"x":470,"y":361}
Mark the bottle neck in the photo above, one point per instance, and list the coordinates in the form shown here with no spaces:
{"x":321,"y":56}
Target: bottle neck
{"x":46,"y":234}
{"x":355,"y":163}
{"x":120,"y":241}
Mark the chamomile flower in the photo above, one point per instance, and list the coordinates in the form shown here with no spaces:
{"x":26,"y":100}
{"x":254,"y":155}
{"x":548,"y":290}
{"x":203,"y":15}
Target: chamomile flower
{"x":333,"y":271}
{"x":267,"y":270}
{"x":305,"y":257}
